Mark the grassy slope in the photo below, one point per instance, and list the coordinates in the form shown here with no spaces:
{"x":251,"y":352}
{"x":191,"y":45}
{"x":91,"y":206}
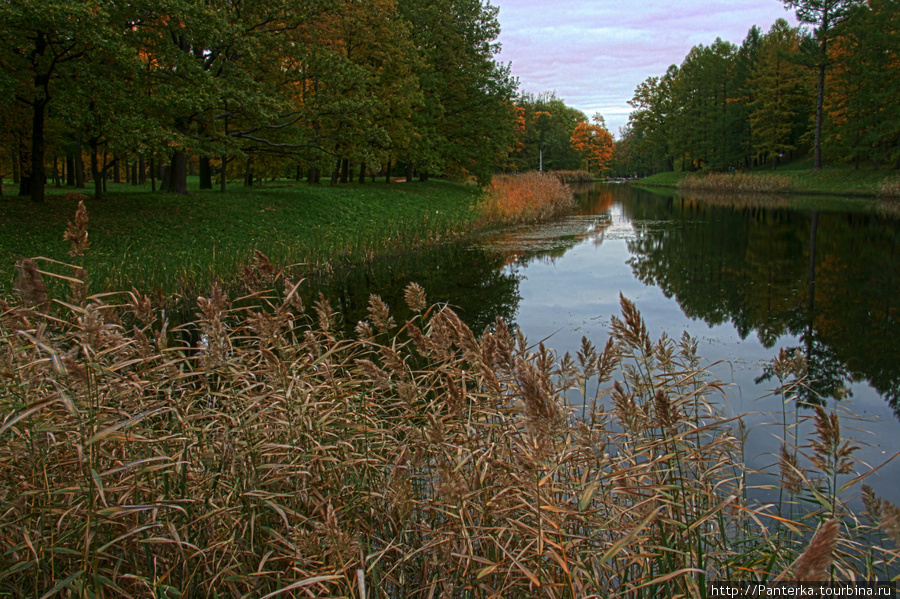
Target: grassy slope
{"x":836,"y":179}
{"x":150,"y":239}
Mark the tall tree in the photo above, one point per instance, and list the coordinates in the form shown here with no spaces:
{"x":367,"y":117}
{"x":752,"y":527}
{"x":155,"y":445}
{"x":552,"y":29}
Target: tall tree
{"x":40,"y":40}
{"x":651,"y":120}
{"x":780,"y":89}
{"x":824,"y":16}
{"x":467,"y":121}
{"x":862,"y":105}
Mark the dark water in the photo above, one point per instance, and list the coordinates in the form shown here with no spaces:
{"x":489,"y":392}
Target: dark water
{"x":744,"y":276}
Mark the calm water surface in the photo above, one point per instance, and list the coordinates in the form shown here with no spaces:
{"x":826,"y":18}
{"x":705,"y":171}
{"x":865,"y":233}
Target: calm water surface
{"x":745,"y":277}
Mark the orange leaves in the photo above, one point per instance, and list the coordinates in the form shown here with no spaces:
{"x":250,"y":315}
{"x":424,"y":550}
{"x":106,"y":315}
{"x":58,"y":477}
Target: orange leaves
{"x":594,"y":143}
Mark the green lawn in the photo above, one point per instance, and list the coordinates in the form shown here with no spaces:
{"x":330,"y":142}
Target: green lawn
{"x":159,"y":240}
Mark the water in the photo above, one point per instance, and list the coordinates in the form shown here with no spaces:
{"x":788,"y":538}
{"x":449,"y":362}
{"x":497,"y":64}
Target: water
{"x":744,"y":276}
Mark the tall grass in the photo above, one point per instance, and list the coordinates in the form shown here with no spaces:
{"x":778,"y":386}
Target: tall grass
{"x":529,"y":197}
{"x":889,"y":188}
{"x":735,"y":183}
{"x":255,"y":452}
{"x":573,"y":176}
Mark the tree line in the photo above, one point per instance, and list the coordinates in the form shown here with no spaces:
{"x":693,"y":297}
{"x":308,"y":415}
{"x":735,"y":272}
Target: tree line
{"x":828,"y":86}
{"x":333,"y":88}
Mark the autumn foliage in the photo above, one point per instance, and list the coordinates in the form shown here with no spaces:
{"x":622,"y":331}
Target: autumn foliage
{"x":529,"y":197}
{"x":595,"y":144}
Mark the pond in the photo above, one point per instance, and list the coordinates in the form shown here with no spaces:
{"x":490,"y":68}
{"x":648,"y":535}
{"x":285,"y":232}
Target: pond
{"x":745,"y":276}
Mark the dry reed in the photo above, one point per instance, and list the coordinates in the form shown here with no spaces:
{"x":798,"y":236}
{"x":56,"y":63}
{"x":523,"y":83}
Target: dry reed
{"x":889,"y":188}
{"x":573,"y":176}
{"x":529,"y":197}
{"x":254,"y":452}
{"x":735,"y":183}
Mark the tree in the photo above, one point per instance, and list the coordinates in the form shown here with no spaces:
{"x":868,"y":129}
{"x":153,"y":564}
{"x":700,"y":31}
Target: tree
{"x":594,"y":143}
{"x":547,"y":128}
{"x":40,"y":40}
{"x":779,"y":89}
{"x":467,"y":121}
{"x":861,"y":103}
{"x":824,"y":16}
{"x":651,"y":120}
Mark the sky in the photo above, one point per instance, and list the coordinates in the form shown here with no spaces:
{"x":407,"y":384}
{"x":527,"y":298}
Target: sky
{"x":594,"y":53}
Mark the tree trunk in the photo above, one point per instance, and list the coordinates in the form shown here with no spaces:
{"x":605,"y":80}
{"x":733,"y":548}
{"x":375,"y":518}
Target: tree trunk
{"x":248,"y":174}
{"x":335,"y":172}
{"x":79,"y":168}
{"x":387,"y":172}
{"x":362,"y":173}
{"x":14,"y":159}
{"x":95,"y":172}
{"x":205,"y":173}
{"x":117,"y":173}
{"x":224,"y":170}
{"x":38,"y":174}
{"x":25,"y":166}
{"x":178,"y":174}
{"x":409,"y":173}
{"x":345,"y":170}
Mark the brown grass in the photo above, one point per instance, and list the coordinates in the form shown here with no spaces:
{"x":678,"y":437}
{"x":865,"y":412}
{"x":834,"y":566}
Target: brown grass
{"x":525,"y":198}
{"x":254,"y":452}
{"x":573,"y":176}
{"x":889,"y":188}
{"x":735,"y":183}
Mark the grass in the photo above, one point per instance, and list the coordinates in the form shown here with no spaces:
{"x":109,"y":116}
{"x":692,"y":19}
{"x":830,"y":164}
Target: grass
{"x":156,"y":240}
{"x":797,"y":176}
{"x":525,"y":198}
{"x":735,"y":183}
{"x":254,"y":452}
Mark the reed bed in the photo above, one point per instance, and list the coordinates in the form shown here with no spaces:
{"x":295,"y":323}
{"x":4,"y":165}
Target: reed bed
{"x":573,"y":176}
{"x":525,"y":198}
{"x":889,"y":188}
{"x":735,"y":183}
{"x":256,"y":452}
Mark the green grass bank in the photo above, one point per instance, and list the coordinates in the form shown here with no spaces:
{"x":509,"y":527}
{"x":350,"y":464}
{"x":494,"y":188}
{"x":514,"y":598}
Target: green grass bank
{"x":159,"y":240}
{"x":799,"y":177}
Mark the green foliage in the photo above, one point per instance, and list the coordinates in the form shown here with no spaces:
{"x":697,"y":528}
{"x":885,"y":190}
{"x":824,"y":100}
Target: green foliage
{"x":546,"y":126}
{"x":729,"y":108}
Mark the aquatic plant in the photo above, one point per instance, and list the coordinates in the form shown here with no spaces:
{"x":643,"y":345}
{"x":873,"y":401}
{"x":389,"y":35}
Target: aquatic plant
{"x":528,"y":197}
{"x":735,"y":183}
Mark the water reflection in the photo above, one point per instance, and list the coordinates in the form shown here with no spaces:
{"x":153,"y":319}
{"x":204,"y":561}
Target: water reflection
{"x":746,"y":277}
{"x":828,"y":278}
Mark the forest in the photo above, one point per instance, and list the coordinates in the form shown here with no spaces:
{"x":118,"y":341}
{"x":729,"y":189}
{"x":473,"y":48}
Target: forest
{"x":730,"y":107}
{"x":250,"y":88}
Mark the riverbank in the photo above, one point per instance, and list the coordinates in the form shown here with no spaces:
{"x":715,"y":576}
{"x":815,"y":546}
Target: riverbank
{"x":800,"y":178}
{"x":166,"y":242}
